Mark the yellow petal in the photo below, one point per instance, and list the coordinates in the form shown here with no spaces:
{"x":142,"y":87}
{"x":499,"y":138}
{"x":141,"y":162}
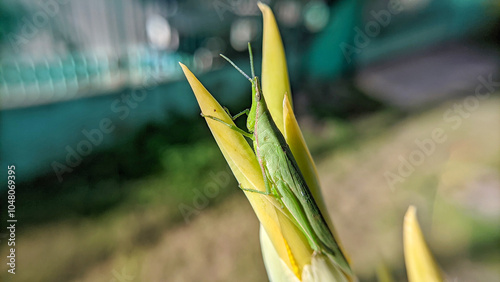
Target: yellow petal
{"x":275,"y":82}
{"x":276,"y":90}
{"x":302,"y":155}
{"x":246,"y":169}
{"x":295,"y":140}
{"x":420,"y":264}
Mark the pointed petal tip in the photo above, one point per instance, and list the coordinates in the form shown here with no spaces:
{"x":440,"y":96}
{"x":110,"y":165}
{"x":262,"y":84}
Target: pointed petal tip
{"x":287,"y":102}
{"x":262,"y":6}
{"x":184,"y":68}
{"x":411,"y":213}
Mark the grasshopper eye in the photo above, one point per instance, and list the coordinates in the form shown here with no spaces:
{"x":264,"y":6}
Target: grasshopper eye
{"x":257,"y":93}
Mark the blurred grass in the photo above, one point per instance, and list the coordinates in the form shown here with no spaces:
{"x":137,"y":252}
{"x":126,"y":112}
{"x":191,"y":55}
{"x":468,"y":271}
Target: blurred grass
{"x":118,"y":215}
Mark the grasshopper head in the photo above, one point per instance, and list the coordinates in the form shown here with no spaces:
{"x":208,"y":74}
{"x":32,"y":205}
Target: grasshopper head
{"x":256,"y":97}
{"x":256,"y":90}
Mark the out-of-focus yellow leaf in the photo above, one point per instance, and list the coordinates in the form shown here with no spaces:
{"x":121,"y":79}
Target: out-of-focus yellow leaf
{"x":420,"y":264}
{"x":384,"y":273}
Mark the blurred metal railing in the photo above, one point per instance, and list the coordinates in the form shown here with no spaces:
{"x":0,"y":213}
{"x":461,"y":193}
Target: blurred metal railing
{"x":27,"y":82}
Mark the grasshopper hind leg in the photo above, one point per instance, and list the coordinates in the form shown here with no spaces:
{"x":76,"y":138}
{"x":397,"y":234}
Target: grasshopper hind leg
{"x":232,"y":126}
{"x":266,"y":193}
{"x":254,"y":190}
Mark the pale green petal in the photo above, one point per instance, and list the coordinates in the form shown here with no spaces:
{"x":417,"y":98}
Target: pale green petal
{"x":277,"y":269}
{"x":323,"y":269}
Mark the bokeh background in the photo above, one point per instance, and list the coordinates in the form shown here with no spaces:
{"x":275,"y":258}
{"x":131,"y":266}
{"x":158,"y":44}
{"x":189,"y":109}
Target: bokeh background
{"x":119,"y":179}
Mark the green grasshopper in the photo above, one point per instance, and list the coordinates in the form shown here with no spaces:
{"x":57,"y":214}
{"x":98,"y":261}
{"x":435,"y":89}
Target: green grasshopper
{"x":282,"y":176}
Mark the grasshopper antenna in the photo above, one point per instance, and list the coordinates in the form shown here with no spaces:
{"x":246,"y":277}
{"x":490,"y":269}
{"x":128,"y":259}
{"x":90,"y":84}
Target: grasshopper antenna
{"x":251,"y":58}
{"x":231,"y":62}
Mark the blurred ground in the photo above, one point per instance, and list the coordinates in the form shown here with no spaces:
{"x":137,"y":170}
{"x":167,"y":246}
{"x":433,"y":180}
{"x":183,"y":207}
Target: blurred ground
{"x":456,"y":190}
